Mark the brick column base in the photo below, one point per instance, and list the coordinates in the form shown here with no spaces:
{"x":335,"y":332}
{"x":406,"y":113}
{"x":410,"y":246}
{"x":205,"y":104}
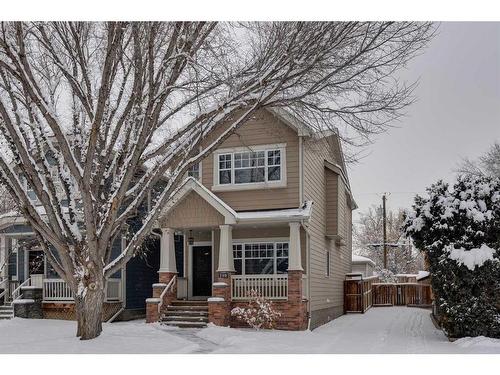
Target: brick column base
{"x":152,"y":313}
{"x":296,"y":307}
{"x":219,"y":312}
{"x":219,"y":306}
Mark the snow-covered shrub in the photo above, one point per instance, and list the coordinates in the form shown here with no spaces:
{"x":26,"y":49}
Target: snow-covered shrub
{"x":259,"y":313}
{"x":459,"y":230}
{"x":386,"y":276}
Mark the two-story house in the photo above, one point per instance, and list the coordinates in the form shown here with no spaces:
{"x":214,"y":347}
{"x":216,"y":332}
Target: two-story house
{"x":269,"y":210}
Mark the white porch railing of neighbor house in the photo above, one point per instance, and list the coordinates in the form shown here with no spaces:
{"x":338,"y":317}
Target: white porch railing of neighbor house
{"x":114,"y":290}
{"x":4,"y":288}
{"x":58,"y":290}
{"x":18,"y":292}
{"x":268,"y":286}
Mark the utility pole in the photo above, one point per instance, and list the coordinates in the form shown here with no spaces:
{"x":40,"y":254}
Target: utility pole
{"x":385,"y":230}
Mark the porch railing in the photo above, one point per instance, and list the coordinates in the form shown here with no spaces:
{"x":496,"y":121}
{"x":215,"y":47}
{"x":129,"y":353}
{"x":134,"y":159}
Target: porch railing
{"x":114,"y":290}
{"x":58,"y":290}
{"x":18,"y":292}
{"x":268,"y":286}
{"x":4,"y":288}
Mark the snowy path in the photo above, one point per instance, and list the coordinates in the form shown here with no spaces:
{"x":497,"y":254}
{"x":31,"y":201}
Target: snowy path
{"x":380,"y":330}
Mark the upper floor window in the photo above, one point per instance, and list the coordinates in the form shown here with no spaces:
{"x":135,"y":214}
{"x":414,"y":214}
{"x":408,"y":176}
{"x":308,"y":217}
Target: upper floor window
{"x":262,"y":166}
{"x":194,"y":171}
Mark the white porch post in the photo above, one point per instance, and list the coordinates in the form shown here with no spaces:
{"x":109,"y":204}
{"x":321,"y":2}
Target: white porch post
{"x":226,"y":262}
{"x":294,"y":258}
{"x":167,"y":251}
{"x":3,"y":256}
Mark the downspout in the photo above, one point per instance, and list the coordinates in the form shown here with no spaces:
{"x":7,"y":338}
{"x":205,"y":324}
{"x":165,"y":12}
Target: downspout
{"x":308,"y":252}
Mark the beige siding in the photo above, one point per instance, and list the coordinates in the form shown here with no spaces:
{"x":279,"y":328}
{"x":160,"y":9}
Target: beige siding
{"x":263,"y":129}
{"x":326,"y":292}
{"x":331,"y":214}
{"x":193,"y":212}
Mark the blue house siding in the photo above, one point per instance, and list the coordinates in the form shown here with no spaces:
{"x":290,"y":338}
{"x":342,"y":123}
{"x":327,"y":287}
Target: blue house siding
{"x":142,"y":273}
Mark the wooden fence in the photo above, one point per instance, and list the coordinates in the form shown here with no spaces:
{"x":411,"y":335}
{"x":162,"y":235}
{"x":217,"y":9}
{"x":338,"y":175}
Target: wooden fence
{"x":360,"y":294}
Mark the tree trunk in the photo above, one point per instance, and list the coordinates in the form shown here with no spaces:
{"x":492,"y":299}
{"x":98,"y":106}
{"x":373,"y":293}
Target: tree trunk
{"x":88,"y":309}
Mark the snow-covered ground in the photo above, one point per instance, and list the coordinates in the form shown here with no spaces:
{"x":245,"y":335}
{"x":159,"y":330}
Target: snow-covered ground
{"x":379,"y":330}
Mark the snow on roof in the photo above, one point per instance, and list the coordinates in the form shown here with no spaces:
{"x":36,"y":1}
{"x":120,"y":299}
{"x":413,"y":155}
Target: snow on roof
{"x":8,"y":214}
{"x":406,"y":275}
{"x":422,"y":275}
{"x":288,"y":214}
{"x":361,"y":259}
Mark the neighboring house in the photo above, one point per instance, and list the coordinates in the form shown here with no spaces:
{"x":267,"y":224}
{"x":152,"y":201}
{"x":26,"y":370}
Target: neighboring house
{"x":22,"y":263}
{"x":270,"y":210}
{"x":362,"y":265}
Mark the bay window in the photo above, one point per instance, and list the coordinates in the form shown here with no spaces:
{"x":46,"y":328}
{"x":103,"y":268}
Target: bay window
{"x":258,"y":258}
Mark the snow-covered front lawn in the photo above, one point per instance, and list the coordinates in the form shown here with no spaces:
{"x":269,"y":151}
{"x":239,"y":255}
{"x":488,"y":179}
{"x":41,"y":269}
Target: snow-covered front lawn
{"x":379,"y":330}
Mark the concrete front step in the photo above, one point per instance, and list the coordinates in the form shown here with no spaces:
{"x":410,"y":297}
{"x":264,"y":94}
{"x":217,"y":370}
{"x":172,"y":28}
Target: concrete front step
{"x":184,"y":324}
{"x":183,"y":318}
{"x":185,"y":313}
{"x":189,"y":303}
{"x":187,"y":308}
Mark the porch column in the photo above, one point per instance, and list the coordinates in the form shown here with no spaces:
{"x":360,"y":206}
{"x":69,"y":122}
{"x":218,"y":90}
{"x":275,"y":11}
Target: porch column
{"x":296,"y":312}
{"x":294,"y":257}
{"x":167,"y":255}
{"x":226,"y":262}
{"x":167,"y":251}
{"x":3,"y":256}
{"x":219,"y":305}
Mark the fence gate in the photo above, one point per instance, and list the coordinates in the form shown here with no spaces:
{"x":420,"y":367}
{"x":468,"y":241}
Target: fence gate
{"x":360,"y":294}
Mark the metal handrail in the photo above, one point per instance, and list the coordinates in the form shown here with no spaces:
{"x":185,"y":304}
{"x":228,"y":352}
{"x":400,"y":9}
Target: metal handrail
{"x":167,"y":288}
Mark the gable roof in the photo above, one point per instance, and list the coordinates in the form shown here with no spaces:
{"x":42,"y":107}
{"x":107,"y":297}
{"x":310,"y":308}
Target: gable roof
{"x":231,"y":216}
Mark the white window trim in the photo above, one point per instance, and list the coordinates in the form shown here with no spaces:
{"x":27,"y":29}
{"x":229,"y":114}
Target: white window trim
{"x":249,"y":241}
{"x":252,"y":185}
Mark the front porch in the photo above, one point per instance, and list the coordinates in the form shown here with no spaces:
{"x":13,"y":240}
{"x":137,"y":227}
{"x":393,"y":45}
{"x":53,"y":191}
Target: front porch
{"x":210,"y":252}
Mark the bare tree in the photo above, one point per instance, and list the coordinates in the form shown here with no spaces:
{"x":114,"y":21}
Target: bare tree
{"x":487,"y":165}
{"x":7,"y":203}
{"x":91,"y":113}
{"x":368,"y":241}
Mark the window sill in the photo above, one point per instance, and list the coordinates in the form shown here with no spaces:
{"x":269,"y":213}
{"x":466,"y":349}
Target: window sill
{"x":254,"y":186}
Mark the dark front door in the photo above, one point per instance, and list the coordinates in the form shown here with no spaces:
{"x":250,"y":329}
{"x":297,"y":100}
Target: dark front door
{"x":202,"y":270}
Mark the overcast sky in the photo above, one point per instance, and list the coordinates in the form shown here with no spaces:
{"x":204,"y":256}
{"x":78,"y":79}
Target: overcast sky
{"x":457,"y":114}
